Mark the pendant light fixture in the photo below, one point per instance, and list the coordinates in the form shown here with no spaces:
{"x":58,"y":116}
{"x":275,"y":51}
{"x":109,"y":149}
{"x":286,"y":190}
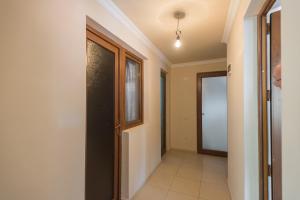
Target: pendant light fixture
{"x":178,"y":15}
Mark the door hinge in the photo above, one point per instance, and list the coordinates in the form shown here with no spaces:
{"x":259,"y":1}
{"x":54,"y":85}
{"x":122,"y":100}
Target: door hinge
{"x":268,"y":28}
{"x":270,"y":170}
{"x":268,"y":95}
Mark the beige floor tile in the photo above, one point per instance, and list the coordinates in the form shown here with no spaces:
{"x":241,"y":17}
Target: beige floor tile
{"x":186,"y":186}
{"x":214,"y":177}
{"x":214,"y":191}
{"x":149,"y":192}
{"x":179,"y":196}
{"x":172,"y":160}
{"x":195,"y":164}
{"x":163,"y":180}
{"x":193,"y":156}
{"x":213,"y":161}
{"x":190,"y":173}
{"x":187,"y":176}
{"x":167,"y":169}
{"x":193,"y":161}
{"x":214,"y":168}
{"x":178,"y":153}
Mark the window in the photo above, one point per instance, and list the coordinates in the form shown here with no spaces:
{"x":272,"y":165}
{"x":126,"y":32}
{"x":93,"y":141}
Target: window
{"x":133,"y":91}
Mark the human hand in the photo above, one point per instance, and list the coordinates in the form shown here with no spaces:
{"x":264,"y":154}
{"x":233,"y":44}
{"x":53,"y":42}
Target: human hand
{"x":277,"y":75}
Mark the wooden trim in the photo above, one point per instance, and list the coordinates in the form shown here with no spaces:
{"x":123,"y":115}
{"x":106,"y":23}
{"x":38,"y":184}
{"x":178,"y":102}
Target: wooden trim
{"x":212,"y":74}
{"x":118,"y":143}
{"x":98,"y":38}
{"x":128,"y":125}
{"x":214,"y":153}
{"x":163,"y":71}
{"x":262,"y":100}
{"x":123,"y":54}
{"x":199,"y":113}
{"x":275,"y":107}
{"x":113,"y":38}
{"x":102,"y":36}
{"x":94,"y":37}
{"x":122,"y":86}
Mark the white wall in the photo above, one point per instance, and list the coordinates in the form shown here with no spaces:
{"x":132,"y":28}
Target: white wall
{"x":42,"y":104}
{"x":251,"y":110}
{"x":235,"y":57}
{"x":290,"y":99}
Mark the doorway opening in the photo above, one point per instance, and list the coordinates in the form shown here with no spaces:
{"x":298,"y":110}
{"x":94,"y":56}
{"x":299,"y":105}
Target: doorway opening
{"x":212,"y":113}
{"x":163,"y":110}
{"x":269,"y":48}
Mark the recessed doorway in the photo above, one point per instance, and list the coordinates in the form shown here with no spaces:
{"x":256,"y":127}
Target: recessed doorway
{"x":163,"y":117}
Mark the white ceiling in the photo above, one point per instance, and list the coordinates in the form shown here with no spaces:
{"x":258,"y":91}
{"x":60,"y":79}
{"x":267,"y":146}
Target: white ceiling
{"x":202,"y":28}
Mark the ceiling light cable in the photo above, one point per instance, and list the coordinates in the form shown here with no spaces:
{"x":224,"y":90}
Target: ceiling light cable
{"x":178,"y":15}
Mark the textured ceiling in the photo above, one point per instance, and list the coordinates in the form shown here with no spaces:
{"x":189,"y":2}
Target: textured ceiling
{"x":202,"y":28}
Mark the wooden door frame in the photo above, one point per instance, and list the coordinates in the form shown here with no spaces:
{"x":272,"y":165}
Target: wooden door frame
{"x":163,"y":73}
{"x":275,"y":107}
{"x":125,"y":54}
{"x":199,"y":113}
{"x":92,"y":34}
{"x":264,"y":170}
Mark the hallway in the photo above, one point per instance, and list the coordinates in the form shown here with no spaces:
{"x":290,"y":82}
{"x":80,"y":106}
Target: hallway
{"x":94,"y":92}
{"x":185,"y":175}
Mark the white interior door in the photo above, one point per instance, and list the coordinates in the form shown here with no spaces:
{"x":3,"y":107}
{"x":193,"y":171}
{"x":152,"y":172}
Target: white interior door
{"x":214,"y":113}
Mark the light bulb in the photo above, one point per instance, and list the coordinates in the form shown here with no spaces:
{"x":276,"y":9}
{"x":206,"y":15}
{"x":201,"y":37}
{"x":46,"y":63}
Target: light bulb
{"x":178,"y":43}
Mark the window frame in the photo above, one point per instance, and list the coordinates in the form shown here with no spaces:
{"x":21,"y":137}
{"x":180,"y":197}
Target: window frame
{"x":125,"y":124}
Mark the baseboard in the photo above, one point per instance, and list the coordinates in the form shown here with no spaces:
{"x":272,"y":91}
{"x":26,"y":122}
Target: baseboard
{"x":184,"y":150}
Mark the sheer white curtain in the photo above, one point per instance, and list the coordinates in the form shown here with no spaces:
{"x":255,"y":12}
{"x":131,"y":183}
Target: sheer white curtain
{"x":132,"y":90}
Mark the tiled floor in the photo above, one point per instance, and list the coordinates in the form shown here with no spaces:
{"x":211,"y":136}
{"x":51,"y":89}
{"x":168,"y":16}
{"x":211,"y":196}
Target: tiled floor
{"x":187,"y":176}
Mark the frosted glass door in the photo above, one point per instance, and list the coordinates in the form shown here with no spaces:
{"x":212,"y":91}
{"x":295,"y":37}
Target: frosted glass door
{"x":214,"y":113}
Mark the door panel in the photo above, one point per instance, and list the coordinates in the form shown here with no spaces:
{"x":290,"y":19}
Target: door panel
{"x":163,"y":113}
{"x":214,"y":113}
{"x":276,"y":108}
{"x":101,"y":116}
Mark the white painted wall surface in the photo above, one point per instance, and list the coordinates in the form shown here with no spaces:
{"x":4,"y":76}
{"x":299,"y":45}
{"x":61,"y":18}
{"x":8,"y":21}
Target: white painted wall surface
{"x":290,"y":98}
{"x":42,"y":104}
{"x":236,"y":145}
{"x":251,"y":110}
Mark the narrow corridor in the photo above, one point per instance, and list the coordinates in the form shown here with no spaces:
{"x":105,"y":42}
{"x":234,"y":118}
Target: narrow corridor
{"x":187,"y":176}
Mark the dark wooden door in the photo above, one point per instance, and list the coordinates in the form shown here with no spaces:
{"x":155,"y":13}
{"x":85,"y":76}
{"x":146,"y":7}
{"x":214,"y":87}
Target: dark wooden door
{"x":163,"y":88}
{"x":102,"y":119}
{"x":276,"y":108}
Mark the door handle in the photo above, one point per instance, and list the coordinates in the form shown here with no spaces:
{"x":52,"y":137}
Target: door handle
{"x":202,"y":114}
{"x":118,"y":126}
{"x":118,"y":131}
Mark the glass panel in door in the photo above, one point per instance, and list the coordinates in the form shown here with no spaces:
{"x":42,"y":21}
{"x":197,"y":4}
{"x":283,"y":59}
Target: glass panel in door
{"x":100,"y":109}
{"x":214,"y":114}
